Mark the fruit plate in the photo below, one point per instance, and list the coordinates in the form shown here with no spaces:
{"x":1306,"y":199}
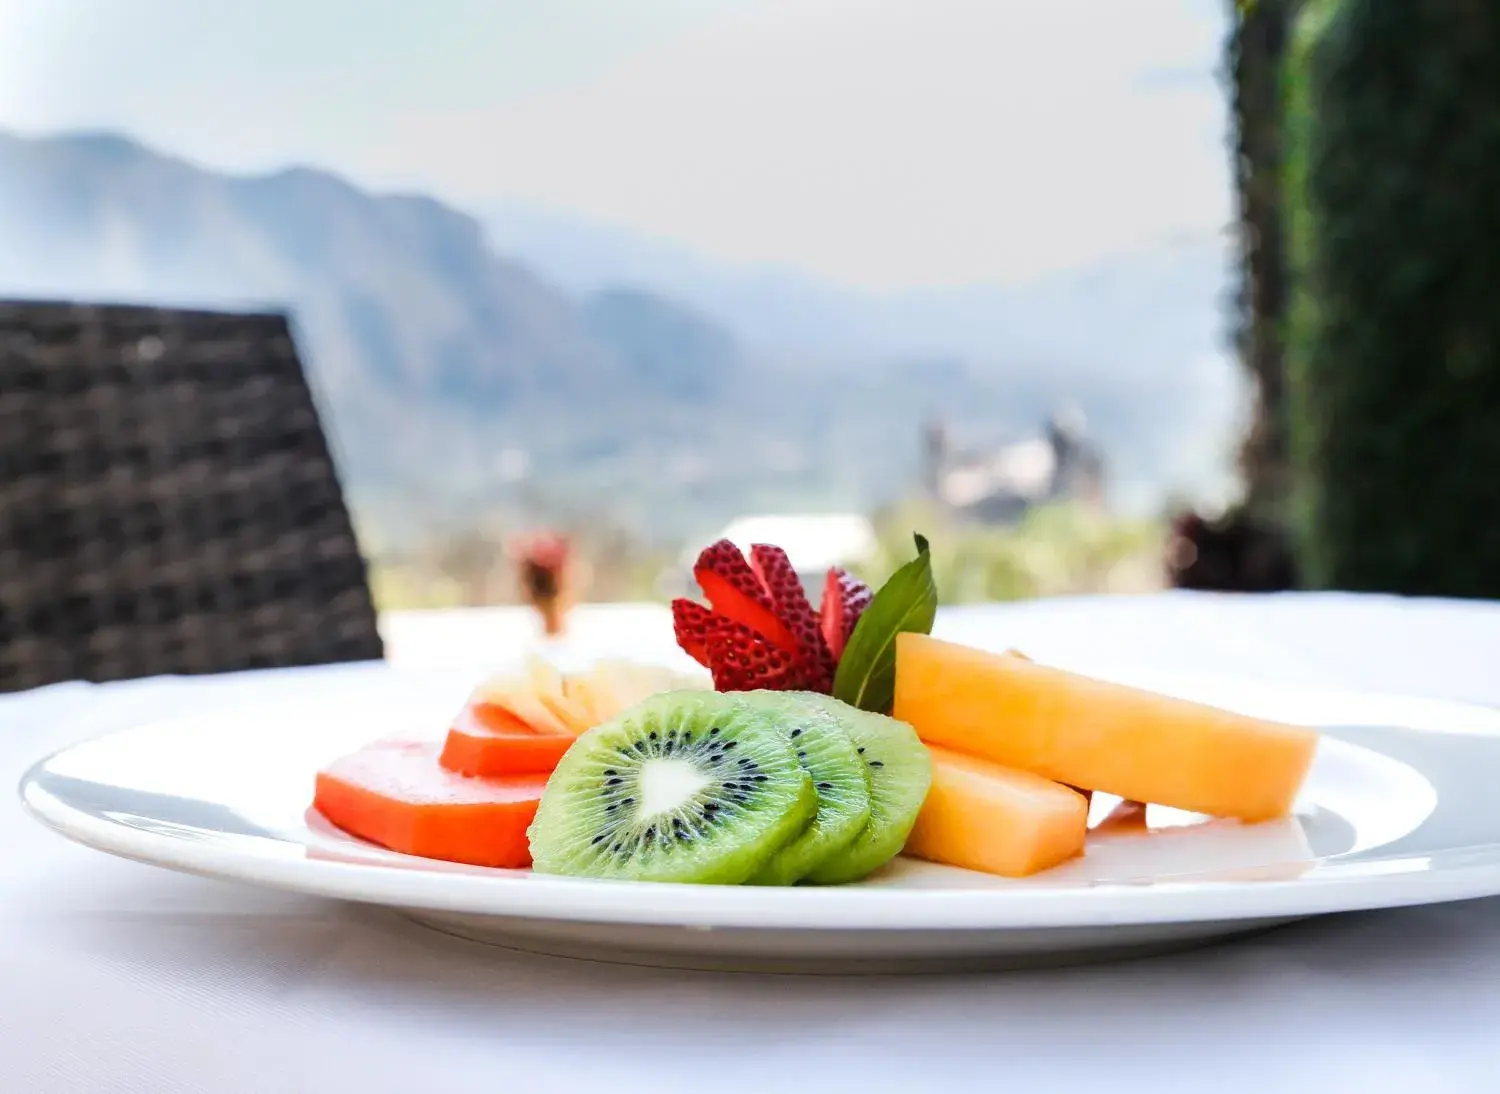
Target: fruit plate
{"x":1398,"y":810}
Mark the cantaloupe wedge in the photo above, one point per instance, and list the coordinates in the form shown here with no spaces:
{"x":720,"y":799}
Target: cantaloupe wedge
{"x":982,"y":816}
{"x":1097,"y":735}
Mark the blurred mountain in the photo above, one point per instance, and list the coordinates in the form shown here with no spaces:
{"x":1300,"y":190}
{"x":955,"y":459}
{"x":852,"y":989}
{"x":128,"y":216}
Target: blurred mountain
{"x":465,"y":367}
{"x":1138,"y":339}
{"x":661,"y":342}
{"x":1142,"y":308}
{"x":430,"y":353}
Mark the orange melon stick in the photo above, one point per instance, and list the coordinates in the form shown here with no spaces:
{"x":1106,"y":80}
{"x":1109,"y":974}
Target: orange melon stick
{"x":489,"y":740}
{"x":1096,"y":735}
{"x":395,"y":794}
{"x":982,"y":816}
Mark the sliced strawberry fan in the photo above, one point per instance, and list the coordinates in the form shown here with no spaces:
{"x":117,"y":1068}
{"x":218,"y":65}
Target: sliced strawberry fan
{"x":760,"y":630}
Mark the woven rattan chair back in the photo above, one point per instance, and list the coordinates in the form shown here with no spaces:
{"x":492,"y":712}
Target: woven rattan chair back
{"x":168,"y":504}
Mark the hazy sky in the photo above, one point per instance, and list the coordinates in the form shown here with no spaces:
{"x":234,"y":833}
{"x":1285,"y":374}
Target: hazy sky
{"x":881,"y":143}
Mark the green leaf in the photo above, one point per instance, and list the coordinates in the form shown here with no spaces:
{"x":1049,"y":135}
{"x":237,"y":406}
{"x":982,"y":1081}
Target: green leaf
{"x":907,"y":602}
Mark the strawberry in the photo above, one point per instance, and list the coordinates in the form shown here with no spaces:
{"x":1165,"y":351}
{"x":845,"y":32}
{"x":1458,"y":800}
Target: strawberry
{"x":789,"y":600}
{"x":734,"y":590}
{"x":726,"y":647}
{"x":759,"y":630}
{"x":693,"y":624}
{"x":742,"y":660}
{"x":845,"y":599}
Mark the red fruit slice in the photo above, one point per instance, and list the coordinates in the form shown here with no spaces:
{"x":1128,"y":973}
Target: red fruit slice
{"x":733,"y":589}
{"x":489,"y":740}
{"x":394,"y":793}
{"x":789,"y":600}
{"x":742,"y":660}
{"x":845,"y":598}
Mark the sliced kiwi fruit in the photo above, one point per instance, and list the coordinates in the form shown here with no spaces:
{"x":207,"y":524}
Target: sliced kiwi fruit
{"x":900,"y":771}
{"x":838,"y":773}
{"x":687,"y":786}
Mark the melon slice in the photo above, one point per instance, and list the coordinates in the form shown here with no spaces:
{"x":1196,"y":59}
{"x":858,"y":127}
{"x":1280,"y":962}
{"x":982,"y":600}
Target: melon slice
{"x":1096,"y":735}
{"x":997,"y":820}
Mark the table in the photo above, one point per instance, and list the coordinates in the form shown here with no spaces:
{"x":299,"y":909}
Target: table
{"x":119,"y":977}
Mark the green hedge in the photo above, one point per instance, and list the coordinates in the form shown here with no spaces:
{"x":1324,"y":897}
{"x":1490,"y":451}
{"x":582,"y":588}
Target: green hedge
{"x":1394,"y":340}
{"x":1254,"y":57}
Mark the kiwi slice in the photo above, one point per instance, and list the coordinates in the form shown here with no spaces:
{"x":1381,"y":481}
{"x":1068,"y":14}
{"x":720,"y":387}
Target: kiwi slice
{"x":687,"y":786}
{"x":900,"y":771}
{"x":838,"y":772}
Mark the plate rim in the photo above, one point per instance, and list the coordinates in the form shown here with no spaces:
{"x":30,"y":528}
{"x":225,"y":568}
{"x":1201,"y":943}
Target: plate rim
{"x":1463,"y":872}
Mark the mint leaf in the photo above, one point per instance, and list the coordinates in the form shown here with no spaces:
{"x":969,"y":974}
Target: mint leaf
{"x":907,"y":602}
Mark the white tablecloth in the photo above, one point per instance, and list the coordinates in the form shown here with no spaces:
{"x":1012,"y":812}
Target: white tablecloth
{"x":118,"y":977}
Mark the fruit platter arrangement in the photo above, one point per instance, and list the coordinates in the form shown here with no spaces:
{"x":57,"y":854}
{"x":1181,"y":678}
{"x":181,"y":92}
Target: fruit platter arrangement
{"x":819,"y":744}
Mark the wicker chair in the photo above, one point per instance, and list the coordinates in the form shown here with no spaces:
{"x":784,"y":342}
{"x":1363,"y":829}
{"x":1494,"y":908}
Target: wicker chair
{"x":168,"y":504}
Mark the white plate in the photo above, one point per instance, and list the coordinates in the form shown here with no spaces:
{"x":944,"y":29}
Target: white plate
{"x":1399,"y":809}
